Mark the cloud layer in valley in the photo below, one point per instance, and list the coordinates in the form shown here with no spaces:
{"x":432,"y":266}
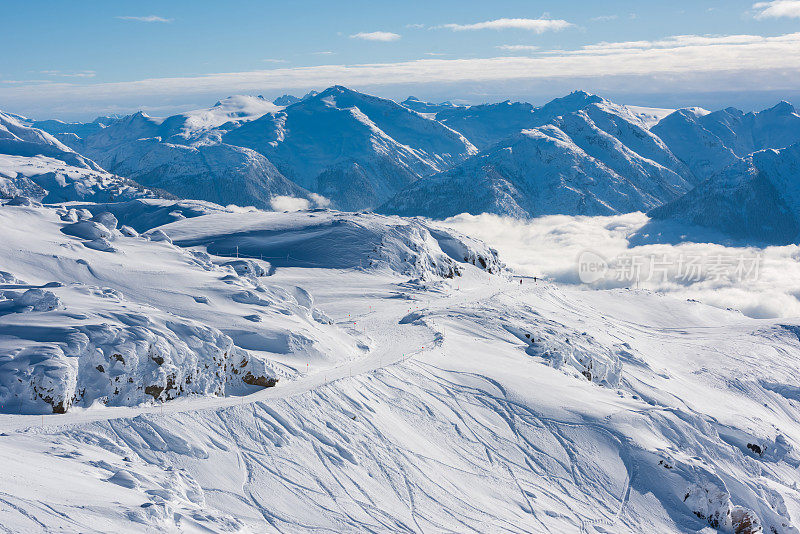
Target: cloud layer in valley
{"x":759,"y":282}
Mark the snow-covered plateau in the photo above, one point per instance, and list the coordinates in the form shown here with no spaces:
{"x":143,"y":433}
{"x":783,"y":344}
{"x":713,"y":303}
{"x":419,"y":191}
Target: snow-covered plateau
{"x":230,"y":370}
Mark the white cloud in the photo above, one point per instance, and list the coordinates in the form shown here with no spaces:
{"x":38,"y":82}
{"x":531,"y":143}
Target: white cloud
{"x":286,"y":203}
{"x":376,"y":36}
{"x":274,"y":61}
{"x":518,"y":48}
{"x":415,"y":26}
{"x":777,"y":9}
{"x":319,"y":200}
{"x":550,"y":246}
{"x":605,"y":18}
{"x":78,"y":74}
{"x":534,"y":25}
{"x":148,"y":18}
{"x":323,"y":53}
{"x":769,"y":63}
{"x":676,"y":41}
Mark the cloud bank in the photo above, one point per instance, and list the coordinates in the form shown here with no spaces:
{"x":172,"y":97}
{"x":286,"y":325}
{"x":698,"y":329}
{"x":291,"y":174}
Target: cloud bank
{"x":551,"y":247}
{"x":765,"y":63}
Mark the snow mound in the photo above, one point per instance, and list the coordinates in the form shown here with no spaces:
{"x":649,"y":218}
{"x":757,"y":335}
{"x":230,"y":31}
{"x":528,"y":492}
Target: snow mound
{"x":335,"y":240}
{"x":148,"y":324}
{"x":59,"y":359}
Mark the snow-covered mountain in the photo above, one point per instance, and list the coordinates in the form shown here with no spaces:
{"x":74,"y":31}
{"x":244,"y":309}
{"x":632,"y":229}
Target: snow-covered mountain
{"x":420,"y":106}
{"x":755,"y":200}
{"x":355,"y":149}
{"x":183,"y":154}
{"x":38,"y":167}
{"x":486,"y":124}
{"x":20,"y":139}
{"x":708,"y":142}
{"x":581,"y":154}
{"x":588,"y":156}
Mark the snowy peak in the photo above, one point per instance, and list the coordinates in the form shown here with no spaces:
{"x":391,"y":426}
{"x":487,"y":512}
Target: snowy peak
{"x":286,"y":100}
{"x":354,"y":148}
{"x":18,"y":139}
{"x":710,"y":141}
{"x":755,"y":200}
{"x":421,"y":106}
{"x":570,"y":103}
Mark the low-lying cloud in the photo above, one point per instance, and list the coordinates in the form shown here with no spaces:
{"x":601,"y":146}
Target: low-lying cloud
{"x":759,"y":282}
{"x":289,"y":203}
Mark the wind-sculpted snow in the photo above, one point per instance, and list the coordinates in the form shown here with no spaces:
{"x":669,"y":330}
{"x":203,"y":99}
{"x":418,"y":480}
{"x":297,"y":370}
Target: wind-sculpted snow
{"x":119,"y":319}
{"x":335,"y":240}
{"x":453,"y":422}
{"x":111,"y":351}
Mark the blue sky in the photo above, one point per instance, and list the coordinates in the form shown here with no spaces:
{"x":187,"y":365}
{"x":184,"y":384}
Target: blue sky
{"x":78,"y":59}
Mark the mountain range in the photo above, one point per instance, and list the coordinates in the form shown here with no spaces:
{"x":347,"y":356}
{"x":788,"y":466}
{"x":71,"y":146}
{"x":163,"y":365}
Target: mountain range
{"x":579,"y":155}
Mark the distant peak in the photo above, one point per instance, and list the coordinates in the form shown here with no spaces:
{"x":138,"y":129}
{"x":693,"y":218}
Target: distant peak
{"x":782,"y":108}
{"x":286,"y":100}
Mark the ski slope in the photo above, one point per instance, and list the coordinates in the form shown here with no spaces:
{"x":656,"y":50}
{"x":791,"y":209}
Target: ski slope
{"x":464,"y":404}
